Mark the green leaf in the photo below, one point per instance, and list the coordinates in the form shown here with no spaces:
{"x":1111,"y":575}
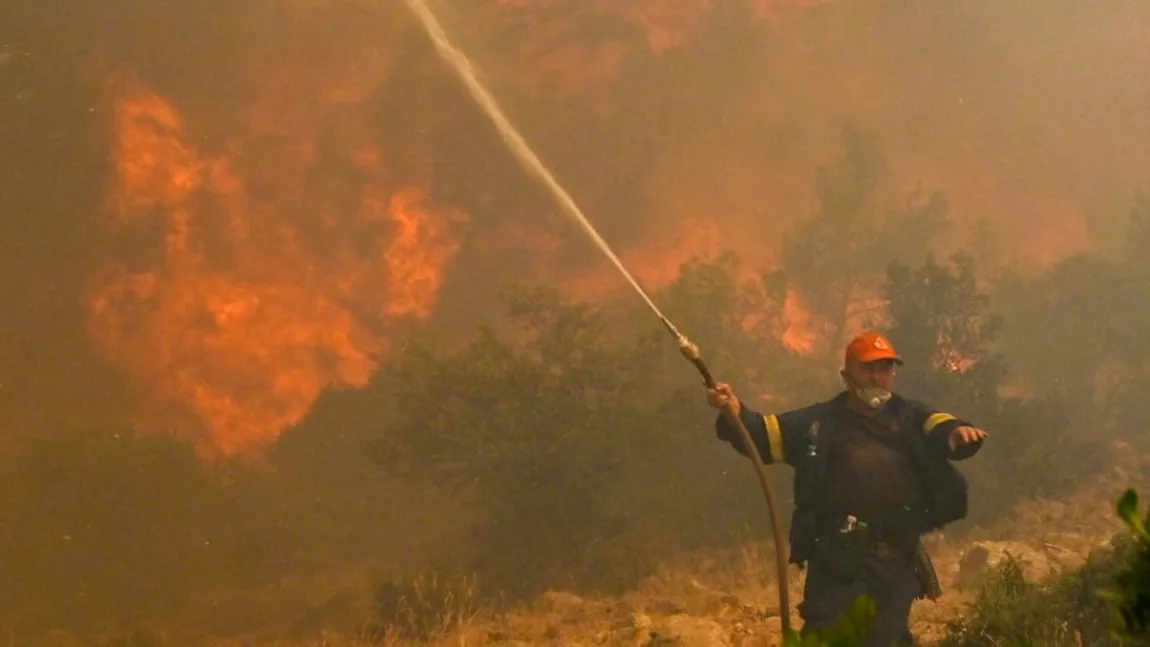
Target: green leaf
{"x":1128,"y":505}
{"x":1128,"y":510}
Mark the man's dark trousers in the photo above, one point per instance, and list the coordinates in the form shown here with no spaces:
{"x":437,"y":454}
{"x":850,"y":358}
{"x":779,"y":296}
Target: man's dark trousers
{"x":835,"y":579}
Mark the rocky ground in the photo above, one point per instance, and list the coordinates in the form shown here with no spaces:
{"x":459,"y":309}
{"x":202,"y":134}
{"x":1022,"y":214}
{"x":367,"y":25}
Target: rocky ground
{"x":705,"y":600}
{"x":731,"y":600}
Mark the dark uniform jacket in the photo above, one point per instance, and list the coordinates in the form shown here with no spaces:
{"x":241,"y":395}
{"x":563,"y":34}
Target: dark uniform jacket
{"x":892,"y":471}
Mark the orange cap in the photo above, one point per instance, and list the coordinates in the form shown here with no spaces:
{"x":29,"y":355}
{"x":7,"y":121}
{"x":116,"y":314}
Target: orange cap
{"x":870,"y":347}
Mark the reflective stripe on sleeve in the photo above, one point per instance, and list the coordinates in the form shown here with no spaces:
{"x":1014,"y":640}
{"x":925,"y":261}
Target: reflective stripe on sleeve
{"x":936,"y":420}
{"x":775,"y":439}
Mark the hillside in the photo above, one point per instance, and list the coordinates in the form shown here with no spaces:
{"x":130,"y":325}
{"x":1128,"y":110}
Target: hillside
{"x":703,"y":599}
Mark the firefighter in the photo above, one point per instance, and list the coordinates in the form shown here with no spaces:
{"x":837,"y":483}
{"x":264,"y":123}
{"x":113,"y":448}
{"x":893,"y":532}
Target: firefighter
{"x":873,"y":473}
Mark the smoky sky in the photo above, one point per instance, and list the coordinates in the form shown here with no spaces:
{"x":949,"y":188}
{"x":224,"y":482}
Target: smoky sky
{"x":1031,"y":116}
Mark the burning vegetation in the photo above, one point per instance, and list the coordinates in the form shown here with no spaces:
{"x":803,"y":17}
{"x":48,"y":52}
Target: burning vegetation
{"x":253,"y":287}
{"x":261,"y":266}
{"x":281,"y":241}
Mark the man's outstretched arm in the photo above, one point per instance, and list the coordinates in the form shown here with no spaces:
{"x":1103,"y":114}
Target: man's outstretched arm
{"x":948,"y":435}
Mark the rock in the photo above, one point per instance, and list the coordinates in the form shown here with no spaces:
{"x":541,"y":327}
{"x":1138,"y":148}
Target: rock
{"x":1067,"y":550}
{"x":633,"y":622}
{"x":618,"y":608}
{"x":633,"y":630}
{"x":688,"y":631}
{"x":705,"y":601}
{"x":561,"y":602}
{"x":641,"y":622}
{"x":666,"y":607}
{"x":984,"y":556}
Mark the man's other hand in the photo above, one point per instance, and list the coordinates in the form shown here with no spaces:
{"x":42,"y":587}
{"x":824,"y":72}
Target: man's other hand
{"x":965,"y":435}
{"x":722,"y":396}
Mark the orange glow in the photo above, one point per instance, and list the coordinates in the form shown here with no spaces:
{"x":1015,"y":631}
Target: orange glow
{"x":800,"y":335}
{"x":655,"y":265}
{"x":416,"y":256}
{"x":270,"y":261}
{"x":152,"y":167}
{"x":249,"y":309}
{"x":669,"y":23}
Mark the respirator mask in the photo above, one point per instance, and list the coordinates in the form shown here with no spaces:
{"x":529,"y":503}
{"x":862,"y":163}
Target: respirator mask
{"x":873,"y":396}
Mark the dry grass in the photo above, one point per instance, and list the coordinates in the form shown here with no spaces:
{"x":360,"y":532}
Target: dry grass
{"x":429,"y":607}
{"x":714,"y":598}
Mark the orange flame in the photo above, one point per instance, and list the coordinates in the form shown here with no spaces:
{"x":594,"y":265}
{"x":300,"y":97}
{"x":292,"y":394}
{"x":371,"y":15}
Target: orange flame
{"x":247,"y":314}
{"x":657,"y":264}
{"x":800,"y":335}
{"x":416,"y":256}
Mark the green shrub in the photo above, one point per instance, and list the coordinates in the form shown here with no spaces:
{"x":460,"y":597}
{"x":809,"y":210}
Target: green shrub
{"x":1130,"y":592}
{"x":1106,"y":602}
{"x":850,"y":631}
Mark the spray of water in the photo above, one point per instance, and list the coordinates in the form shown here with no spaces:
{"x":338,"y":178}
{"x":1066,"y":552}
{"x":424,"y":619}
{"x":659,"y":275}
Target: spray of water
{"x":518,"y":146}
{"x":462,"y":66}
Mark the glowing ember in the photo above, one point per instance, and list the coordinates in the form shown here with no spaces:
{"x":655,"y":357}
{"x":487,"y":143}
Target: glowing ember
{"x":251,"y":308}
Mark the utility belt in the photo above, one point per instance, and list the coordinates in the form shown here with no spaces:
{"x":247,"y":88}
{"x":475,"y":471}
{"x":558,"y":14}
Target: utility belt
{"x":811,"y":532}
{"x":856,"y":536}
{"x":844,"y":550}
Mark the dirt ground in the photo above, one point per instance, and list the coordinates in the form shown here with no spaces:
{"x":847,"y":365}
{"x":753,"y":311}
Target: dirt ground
{"x":703,"y":600}
{"x":731,"y":599}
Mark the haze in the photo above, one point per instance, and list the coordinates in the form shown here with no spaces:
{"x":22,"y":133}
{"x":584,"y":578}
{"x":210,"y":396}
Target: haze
{"x":220,"y":222}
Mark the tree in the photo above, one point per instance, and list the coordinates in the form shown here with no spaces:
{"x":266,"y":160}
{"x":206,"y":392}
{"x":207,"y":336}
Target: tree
{"x":583,"y":445}
{"x":1078,"y":332}
{"x":942,"y":323}
{"x":1066,"y":325}
{"x":523,"y":427}
{"x":838,"y":255}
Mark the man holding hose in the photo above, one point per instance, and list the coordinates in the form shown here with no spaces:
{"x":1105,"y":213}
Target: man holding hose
{"x":873,"y":473}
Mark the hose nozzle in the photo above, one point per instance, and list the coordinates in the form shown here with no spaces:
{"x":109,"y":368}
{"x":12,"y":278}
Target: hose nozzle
{"x":688,"y":348}
{"x":691,"y":352}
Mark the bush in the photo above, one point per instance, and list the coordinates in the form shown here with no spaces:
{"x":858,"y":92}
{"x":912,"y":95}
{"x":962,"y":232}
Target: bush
{"x":1106,"y":602}
{"x":586,"y":448}
{"x":850,"y":631}
{"x":1130,"y":594}
{"x":942,"y":323}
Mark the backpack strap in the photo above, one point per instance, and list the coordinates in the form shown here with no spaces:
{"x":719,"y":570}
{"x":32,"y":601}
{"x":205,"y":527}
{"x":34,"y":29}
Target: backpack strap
{"x":810,"y":468}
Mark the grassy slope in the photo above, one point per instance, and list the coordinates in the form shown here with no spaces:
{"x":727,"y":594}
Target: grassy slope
{"x":707,"y":599}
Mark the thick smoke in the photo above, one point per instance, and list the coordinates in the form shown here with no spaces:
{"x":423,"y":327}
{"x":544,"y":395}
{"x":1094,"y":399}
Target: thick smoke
{"x":1024,"y":114}
{"x":685,"y":127}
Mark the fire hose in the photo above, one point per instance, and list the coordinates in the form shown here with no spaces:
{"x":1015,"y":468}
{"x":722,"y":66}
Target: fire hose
{"x":731,"y":414}
{"x":523,"y":153}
